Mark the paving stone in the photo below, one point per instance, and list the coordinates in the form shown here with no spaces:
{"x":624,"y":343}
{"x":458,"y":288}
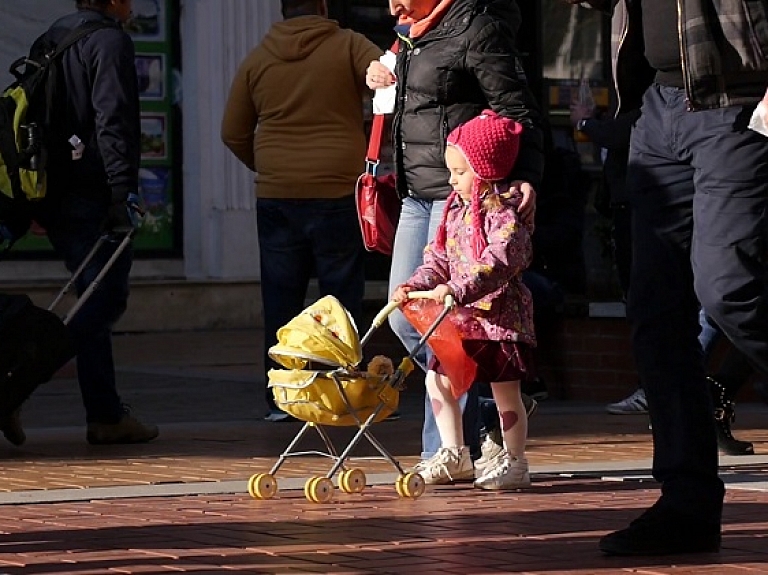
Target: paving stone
{"x":590,"y":477}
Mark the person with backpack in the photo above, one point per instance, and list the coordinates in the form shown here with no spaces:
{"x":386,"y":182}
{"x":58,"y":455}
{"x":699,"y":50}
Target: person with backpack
{"x":93,"y":154}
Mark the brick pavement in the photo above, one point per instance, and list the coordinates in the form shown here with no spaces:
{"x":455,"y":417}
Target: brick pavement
{"x":180,"y":503}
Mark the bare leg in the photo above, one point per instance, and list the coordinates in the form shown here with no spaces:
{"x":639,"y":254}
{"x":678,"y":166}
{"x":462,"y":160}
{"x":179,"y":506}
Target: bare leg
{"x":514,"y":421}
{"x":446,"y":409}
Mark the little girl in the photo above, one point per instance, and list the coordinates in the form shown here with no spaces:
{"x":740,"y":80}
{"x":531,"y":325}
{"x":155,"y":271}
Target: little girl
{"x":477,"y":256}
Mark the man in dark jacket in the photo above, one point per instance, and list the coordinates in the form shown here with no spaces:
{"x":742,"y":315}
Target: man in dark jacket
{"x":92,"y":189}
{"x":698,"y":182}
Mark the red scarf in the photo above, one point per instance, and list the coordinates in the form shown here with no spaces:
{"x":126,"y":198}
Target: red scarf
{"x":421,"y":27}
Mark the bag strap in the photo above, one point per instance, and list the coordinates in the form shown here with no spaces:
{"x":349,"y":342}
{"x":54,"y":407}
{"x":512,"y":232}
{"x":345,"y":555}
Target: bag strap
{"x":377,"y":132}
{"x":72,"y":37}
{"x":76,"y":34}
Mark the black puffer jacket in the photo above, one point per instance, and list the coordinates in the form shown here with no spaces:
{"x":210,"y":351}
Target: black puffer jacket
{"x":466,"y":63}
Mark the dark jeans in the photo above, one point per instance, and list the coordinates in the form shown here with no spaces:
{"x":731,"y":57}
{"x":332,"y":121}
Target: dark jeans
{"x":73,"y":229}
{"x":547,"y":296}
{"x":699,"y":188}
{"x":622,"y":243}
{"x":297,"y":238}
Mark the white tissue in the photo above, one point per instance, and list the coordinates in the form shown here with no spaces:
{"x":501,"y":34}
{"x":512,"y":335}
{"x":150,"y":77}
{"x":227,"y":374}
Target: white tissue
{"x":757,"y":121}
{"x":384,"y":98}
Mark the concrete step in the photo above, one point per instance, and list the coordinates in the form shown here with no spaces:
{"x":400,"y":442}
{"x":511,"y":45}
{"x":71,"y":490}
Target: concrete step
{"x":180,"y":304}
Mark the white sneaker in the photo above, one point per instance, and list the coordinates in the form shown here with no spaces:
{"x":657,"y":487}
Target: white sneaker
{"x":490,"y":450}
{"x":449,"y":464}
{"x":634,"y":404}
{"x":507,"y":472}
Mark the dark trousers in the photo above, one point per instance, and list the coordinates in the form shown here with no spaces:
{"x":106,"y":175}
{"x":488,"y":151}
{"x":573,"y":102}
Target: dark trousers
{"x":73,"y":228}
{"x":622,"y":243}
{"x":699,"y":189}
{"x":299,"y":238}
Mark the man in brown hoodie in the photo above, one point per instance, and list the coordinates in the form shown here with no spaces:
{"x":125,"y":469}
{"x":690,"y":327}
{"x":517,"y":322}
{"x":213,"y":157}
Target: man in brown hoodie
{"x":295,"y":117}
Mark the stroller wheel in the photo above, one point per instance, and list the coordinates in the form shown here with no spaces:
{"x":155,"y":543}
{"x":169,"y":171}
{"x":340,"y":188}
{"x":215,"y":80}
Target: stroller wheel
{"x":352,"y":481}
{"x":318,"y":490}
{"x":410,"y":485}
{"x":262,"y":486}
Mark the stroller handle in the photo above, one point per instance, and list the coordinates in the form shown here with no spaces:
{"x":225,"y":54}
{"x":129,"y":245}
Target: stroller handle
{"x":381,"y":317}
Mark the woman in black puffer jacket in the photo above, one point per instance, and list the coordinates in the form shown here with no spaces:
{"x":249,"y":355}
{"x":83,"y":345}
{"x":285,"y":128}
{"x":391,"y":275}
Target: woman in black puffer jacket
{"x":455,"y":58}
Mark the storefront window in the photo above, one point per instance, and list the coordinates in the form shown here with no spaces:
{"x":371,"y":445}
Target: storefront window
{"x":573,"y":42}
{"x":574,"y":49}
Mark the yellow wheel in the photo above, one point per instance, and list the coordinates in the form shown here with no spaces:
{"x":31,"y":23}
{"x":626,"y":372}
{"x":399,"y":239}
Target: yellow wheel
{"x":319,"y":490}
{"x":262,"y":486}
{"x":308,"y":489}
{"x":410,"y":485}
{"x":352,"y":481}
{"x":399,"y":485}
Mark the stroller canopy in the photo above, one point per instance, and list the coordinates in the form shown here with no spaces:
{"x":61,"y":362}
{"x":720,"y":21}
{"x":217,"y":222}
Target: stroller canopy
{"x":324,"y":332}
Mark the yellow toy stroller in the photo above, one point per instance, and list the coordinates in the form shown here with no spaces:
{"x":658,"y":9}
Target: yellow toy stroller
{"x":343,"y":395}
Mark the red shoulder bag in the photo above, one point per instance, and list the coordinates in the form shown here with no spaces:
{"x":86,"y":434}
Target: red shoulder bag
{"x":378,"y":206}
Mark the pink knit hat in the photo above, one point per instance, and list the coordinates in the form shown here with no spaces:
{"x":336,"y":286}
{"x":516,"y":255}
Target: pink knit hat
{"x":490,"y":144}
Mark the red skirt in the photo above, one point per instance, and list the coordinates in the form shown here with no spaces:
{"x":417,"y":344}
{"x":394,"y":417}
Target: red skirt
{"x":496,"y":360}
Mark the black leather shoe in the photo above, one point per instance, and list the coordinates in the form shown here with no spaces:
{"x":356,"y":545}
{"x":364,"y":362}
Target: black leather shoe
{"x":661,"y":532}
{"x":12,"y":430}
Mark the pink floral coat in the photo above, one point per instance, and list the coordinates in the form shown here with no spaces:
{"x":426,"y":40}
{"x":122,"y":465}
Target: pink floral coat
{"x":494,"y":304}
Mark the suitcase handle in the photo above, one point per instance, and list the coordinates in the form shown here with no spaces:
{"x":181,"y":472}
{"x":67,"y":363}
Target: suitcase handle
{"x":96,"y":281}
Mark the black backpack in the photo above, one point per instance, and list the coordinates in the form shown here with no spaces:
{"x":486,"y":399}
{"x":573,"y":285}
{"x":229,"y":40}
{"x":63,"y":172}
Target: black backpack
{"x":26,"y":108}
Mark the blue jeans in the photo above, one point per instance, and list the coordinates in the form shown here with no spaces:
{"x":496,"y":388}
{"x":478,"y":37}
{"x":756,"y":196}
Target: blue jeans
{"x":297,"y":238}
{"x":73,"y":229}
{"x":709,"y":336}
{"x":418,"y":223}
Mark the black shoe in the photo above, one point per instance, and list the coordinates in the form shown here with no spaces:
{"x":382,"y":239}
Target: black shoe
{"x":725,"y":415}
{"x":535,"y":388}
{"x":12,"y":430}
{"x":530,"y":404}
{"x":394,"y":416}
{"x":279,"y":416}
{"x":659,"y":531}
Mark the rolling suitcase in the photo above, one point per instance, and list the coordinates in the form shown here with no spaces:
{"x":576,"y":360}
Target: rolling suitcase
{"x":35,"y":342}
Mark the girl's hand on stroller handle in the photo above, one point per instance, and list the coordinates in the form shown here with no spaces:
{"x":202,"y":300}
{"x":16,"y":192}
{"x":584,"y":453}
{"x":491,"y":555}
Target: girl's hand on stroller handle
{"x":448,"y":301}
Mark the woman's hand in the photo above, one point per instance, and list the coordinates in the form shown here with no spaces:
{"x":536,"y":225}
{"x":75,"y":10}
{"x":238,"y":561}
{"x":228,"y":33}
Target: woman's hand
{"x":378,"y":76}
{"x":527,"y":208}
{"x":401,"y":293}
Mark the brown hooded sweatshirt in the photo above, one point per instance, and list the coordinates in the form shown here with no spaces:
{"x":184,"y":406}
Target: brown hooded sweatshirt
{"x":301,"y":91}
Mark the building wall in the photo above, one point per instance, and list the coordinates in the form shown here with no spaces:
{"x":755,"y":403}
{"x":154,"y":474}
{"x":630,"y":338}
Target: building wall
{"x":219,"y":202}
